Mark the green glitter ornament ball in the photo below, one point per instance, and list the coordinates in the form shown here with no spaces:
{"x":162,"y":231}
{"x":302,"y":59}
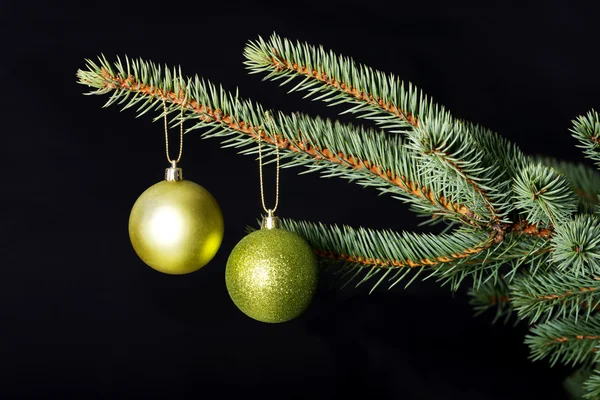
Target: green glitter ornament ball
{"x":272,"y":275}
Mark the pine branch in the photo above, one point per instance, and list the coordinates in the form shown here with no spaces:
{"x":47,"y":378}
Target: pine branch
{"x":444,"y":144}
{"x":576,"y":246}
{"x":447,"y":147}
{"x":388,"y":254}
{"x":567,"y":341}
{"x":337,"y":79}
{"x":366,"y":156}
{"x":555,"y":295}
{"x":515,"y":251}
{"x":585,"y":181}
{"x":586,"y":129}
{"x":557,"y":290}
{"x":543,"y":196}
{"x":363,"y":155}
{"x":449,"y":258}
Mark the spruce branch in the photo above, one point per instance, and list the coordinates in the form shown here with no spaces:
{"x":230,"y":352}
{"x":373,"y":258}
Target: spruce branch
{"x":515,"y":251}
{"x":555,"y":295}
{"x":543,"y":196}
{"x":584,"y":181}
{"x":449,"y":258}
{"x":447,"y":147}
{"x":586,"y":129}
{"x":435,"y":136}
{"x":366,"y":156}
{"x":568,"y":341}
{"x":386,"y":253}
{"x":576,"y":246}
{"x":337,"y":79}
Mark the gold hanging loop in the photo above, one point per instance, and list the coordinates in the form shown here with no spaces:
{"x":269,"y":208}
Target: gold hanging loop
{"x":173,"y":162}
{"x":270,"y":211}
{"x":174,"y":173}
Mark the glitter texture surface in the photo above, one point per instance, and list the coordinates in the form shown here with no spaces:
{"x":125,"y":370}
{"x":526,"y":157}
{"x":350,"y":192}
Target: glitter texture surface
{"x":272,"y":275}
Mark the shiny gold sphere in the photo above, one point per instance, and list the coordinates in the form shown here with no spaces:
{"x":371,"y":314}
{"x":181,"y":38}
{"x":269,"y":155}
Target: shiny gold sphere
{"x":272,"y":275}
{"x":176,"y":227}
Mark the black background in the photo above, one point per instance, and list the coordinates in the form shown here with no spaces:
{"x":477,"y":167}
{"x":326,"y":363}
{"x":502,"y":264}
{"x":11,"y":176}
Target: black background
{"x":81,"y":316}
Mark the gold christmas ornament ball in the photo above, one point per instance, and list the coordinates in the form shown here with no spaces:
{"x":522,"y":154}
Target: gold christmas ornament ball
{"x":272,"y":275}
{"x":176,"y":227}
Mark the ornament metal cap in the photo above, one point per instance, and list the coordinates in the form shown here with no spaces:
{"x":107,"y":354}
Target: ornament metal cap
{"x":270,"y":221}
{"x":174,"y":173}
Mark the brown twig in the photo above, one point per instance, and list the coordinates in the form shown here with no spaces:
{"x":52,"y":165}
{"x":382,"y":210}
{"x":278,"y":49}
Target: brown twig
{"x":530,"y":229}
{"x":577,"y":337}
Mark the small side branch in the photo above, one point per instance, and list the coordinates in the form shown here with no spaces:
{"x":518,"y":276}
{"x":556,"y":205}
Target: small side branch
{"x":565,"y":340}
{"x":336,"y":79}
{"x":387,"y":249}
{"x":555,"y":294}
{"x":280,"y":64}
{"x":407,"y":263}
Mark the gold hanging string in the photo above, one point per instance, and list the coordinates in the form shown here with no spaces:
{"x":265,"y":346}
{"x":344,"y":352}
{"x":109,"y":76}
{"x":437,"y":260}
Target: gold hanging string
{"x":167,"y":135}
{"x":260,"y":170}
